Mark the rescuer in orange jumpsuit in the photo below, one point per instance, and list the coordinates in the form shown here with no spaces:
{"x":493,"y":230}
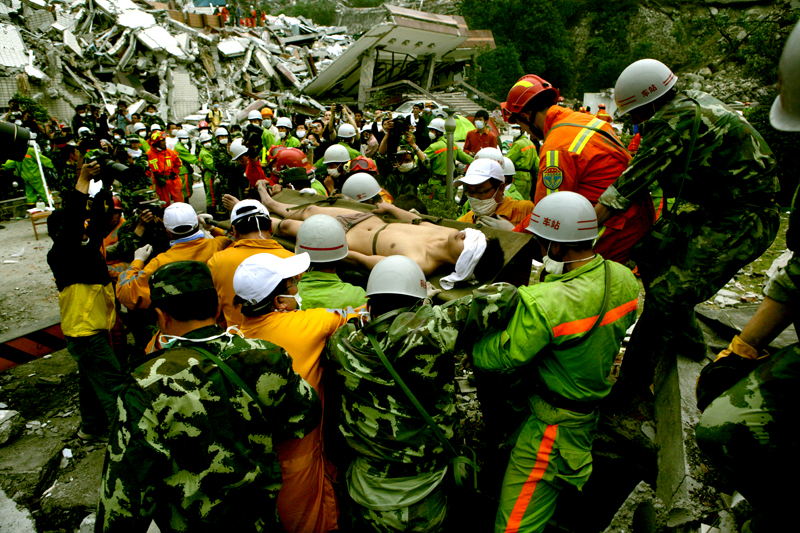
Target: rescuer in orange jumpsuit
{"x":580,"y":153}
{"x":163,"y":167}
{"x":602,"y":114}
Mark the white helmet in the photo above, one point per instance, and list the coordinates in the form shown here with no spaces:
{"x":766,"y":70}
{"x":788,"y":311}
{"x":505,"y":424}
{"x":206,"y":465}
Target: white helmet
{"x":221,"y":132}
{"x":205,"y":137}
{"x":254,"y":115}
{"x":785,"y":112}
{"x":437,"y":124}
{"x":237,"y":149}
{"x":139,"y":127}
{"x":346,"y":131}
{"x":155,"y":127}
{"x":182,"y":134}
{"x":361,"y":187}
{"x":397,"y":274}
{"x":336,"y":154}
{"x":508,"y":167}
{"x":482,"y":170}
{"x":564,"y":217}
{"x":642,"y":82}
{"x":286,"y":122}
{"x":323,"y":238}
{"x":490,"y":153}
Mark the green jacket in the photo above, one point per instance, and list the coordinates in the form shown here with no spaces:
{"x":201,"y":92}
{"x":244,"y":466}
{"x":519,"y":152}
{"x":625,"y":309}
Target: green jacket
{"x":191,"y":449}
{"x":145,"y":144}
{"x":206,"y":163}
{"x":28,"y":168}
{"x":326,"y":290}
{"x":350,"y":150}
{"x":525,"y":157}
{"x":319,"y":187}
{"x":512,"y":192}
{"x":732,"y":168}
{"x":436,"y":152}
{"x":555,"y":312}
{"x":291,"y":142}
{"x":379,"y":422}
{"x":186,"y":157}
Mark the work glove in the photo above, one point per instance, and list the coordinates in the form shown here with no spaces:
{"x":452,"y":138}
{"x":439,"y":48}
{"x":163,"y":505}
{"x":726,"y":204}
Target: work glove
{"x":308,"y":191}
{"x":728,"y":368}
{"x":205,"y":220}
{"x":161,"y":179}
{"x":496,"y":223}
{"x":143,"y":253}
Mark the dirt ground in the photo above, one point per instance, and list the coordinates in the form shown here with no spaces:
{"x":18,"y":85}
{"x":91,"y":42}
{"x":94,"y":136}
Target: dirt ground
{"x":27,"y":288}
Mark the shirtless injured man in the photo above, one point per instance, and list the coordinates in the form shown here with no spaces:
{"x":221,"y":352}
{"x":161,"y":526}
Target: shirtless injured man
{"x":370,"y":239}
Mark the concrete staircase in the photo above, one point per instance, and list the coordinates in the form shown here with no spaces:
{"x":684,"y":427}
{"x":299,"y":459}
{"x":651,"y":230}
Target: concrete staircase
{"x":460,"y":101}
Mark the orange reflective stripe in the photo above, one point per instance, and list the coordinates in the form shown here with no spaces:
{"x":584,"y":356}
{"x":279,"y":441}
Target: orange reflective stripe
{"x":528,"y":148}
{"x":585,"y":324}
{"x":440,"y":150}
{"x":529,"y":487}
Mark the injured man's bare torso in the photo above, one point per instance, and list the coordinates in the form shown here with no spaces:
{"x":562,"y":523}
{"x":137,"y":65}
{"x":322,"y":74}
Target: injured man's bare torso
{"x":370,"y":239}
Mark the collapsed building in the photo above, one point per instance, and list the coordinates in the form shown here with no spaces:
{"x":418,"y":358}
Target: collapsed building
{"x":179,"y":57}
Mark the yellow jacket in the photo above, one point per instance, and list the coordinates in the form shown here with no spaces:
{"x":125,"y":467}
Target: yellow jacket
{"x":223,"y":265}
{"x":86,"y":309}
{"x":515,"y":211}
{"x":134,"y":292}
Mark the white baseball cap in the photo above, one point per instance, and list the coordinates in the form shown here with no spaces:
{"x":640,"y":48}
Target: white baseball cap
{"x":260,"y":274}
{"x":482,"y":170}
{"x":246,"y":208}
{"x":180,"y":218}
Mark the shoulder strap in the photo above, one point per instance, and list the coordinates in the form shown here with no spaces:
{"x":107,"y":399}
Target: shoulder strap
{"x":603,"y":309}
{"x":233,"y":376}
{"x":434,"y":427}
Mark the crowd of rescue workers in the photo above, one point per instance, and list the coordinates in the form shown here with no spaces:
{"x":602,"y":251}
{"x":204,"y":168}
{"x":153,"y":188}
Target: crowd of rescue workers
{"x":285,"y":361}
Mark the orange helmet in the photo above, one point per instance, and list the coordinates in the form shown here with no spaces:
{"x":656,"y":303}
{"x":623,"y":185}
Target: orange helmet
{"x":601,"y":106}
{"x":526,"y":88}
{"x":361,"y":164}
{"x":290,"y":158}
{"x":156,"y":136}
{"x":266,"y":112}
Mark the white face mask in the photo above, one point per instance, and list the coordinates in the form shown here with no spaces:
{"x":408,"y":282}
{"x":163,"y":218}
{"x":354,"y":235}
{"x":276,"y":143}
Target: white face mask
{"x":301,"y":133}
{"x":516,"y":132}
{"x":432,"y":135}
{"x":482,"y":207}
{"x":223,"y":140}
{"x":117,"y":137}
{"x":554,"y":267}
{"x":405,"y":167}
{"x":267,"y":123}
{"x":297,"y":298}
{"x":134,"y":153}
{"x":185,"y":142}
{"x":479,"y":124}
{"x":333,"y":172}
{"x":282,"y":134}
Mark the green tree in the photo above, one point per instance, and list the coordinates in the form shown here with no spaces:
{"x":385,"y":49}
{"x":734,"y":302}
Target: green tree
{"x":498,"y":70}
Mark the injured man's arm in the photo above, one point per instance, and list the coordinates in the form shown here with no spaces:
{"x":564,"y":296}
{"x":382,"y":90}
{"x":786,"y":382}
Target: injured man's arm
{"x":371,"y":239}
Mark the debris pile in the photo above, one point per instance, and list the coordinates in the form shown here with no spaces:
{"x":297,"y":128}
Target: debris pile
{"x":70,"y":52}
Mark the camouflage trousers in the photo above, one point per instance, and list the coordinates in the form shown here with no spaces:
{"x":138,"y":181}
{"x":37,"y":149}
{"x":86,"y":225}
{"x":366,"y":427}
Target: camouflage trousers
{"x":749,"y":434}
{"x":703,"y":256}
{"x":427,"y":515}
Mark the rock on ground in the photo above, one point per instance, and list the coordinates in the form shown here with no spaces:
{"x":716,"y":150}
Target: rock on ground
{"x":12,"y":519}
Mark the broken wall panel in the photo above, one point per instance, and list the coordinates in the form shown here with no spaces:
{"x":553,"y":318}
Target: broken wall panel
{"x":12,"y":47}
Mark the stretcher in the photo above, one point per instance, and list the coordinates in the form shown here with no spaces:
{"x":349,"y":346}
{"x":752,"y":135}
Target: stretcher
{"x":518,"y":248}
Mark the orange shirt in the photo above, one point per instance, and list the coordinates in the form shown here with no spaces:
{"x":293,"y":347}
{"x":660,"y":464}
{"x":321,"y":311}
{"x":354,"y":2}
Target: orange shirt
{"x":223,"y":265}
{"x":475,"y":141}
{"x":515,"y":211}
{"x":134,"y":292}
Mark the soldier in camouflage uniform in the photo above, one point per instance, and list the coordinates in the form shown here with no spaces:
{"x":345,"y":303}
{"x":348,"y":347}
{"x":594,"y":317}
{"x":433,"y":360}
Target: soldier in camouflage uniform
{"x":396,"y":481}
{"x":138,"y":179}
{"x":191,"y":448}
{"x":724,"y":215}
{"x":150,"y":117}
{"x":749,"y":432}
{"x":229,"y":175}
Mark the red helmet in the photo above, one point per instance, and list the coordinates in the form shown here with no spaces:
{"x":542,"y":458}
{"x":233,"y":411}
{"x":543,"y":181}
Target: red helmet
{"x":602,"y":106}
{"x":273,"y":152}
{"x":526,"y":88}
{"x":202,"y":124}
{"x":290,"y":158}
{"x":117,"y":203}
{"x":156,"y":136}
{"x":361,"y":164}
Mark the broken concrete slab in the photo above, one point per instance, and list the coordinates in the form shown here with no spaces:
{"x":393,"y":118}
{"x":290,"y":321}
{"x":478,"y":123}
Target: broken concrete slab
{"x":75,"y":492}
{"x":28,"y":464}
{"x":11,"y":424}
{"x":13,"y":518}
{"x":12,"y":47}
{"x":71,"y":42}
{"x":641,"y":512}
{"x":729,"y":321}
{"x":231,"y":48}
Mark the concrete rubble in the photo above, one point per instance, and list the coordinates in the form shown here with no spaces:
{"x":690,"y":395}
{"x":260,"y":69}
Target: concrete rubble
{"x":176,"y":56}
